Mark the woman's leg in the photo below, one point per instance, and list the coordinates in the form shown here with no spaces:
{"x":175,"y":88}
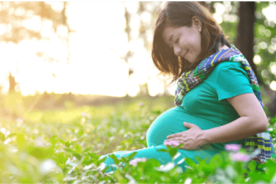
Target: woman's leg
{"x":148,"y":153}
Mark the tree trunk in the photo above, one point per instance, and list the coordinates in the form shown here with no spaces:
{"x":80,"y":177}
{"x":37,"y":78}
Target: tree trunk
{"x":12,"y":83}
{"x":245,"y":32}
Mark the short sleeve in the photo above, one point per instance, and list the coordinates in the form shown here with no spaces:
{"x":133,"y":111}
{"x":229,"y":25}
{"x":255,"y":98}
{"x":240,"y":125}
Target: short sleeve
{"x":231,"y":80}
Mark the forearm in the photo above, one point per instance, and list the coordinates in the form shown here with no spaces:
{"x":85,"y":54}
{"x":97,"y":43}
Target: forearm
{"x":240,"y":128}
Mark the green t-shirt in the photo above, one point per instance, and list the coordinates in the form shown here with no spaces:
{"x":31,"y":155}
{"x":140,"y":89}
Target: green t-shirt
{"x":205,"y":106}
{"x":208,"y":100}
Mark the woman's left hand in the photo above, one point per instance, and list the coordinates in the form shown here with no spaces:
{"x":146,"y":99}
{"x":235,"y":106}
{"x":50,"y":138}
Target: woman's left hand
{"x":192,"y":138}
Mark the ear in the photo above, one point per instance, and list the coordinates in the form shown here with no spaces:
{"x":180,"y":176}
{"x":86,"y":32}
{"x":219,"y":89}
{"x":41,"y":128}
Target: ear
{"x":196,"y":23}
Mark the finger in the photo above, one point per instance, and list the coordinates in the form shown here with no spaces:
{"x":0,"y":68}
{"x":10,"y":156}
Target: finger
{"x":173,"y":144}
{"x":174,"y":135}
{"x":186,"y":145}
{"x":188,"y":125}
{"x":179,"y":140}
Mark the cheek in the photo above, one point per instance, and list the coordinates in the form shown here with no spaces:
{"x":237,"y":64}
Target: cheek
{"x":196,"y":42}
{"x":199,"y":39}
{"x":199,"y":44}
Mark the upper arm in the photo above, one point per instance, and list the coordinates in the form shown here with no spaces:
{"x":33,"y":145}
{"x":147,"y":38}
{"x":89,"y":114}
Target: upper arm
{"x":233,"y":85}
{"x":247,"y":105}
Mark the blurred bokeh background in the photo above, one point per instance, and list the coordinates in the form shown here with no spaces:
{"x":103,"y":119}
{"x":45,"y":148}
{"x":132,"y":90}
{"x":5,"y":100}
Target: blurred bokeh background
{"x":61,"y":54}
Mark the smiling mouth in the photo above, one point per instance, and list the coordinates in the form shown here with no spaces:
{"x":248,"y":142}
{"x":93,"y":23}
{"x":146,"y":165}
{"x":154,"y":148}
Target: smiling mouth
{"x":185,"y":54}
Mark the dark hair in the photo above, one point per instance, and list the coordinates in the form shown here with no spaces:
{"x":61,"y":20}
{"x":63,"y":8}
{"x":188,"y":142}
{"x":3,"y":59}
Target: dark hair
{"x":181,"y":14}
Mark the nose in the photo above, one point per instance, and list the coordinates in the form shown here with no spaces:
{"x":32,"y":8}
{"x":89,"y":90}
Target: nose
{"x":176,"y":51}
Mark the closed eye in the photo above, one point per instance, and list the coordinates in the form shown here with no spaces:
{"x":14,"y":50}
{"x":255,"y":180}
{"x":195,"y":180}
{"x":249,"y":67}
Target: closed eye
{"x":177,"y":40}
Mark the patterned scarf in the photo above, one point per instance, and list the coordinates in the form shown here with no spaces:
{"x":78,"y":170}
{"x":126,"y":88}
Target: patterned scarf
{"x":262,"y":142}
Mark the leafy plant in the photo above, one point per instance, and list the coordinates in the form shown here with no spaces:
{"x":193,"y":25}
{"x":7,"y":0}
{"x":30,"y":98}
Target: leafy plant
{"x":66,"y":146}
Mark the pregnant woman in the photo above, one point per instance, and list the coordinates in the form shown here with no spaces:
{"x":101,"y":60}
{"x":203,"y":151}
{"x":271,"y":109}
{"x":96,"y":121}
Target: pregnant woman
{"x":217,"y":99}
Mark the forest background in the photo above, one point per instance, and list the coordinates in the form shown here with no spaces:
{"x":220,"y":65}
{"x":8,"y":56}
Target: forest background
{"x":73,"y":48}
{"x":71,"y":68}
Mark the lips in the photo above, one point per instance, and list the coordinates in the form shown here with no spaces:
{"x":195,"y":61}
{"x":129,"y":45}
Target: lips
{"x":185,"y":54}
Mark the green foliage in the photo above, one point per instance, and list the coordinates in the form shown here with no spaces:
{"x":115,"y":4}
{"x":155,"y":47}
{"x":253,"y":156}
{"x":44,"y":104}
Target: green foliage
{"x":265,"y":41}
{"x":53,"y":148}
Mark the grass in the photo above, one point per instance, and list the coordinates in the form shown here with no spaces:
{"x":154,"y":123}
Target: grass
{"x":59,"y":138}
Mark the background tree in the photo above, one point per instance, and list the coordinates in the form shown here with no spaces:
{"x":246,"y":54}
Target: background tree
{"x":16,"y":18}
{"x":11,"y":82}
{"x":264,"y":50}
{"x":147,"y":13}
{"x":245,"y":32}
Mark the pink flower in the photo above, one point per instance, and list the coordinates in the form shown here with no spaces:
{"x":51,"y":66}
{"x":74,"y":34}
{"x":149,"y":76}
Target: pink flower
{"x":233,"y":147}
{"x":240,"y":157}
{"x":136,"y":160}
{"x":171,"y":143}
{"x":141,"y":104}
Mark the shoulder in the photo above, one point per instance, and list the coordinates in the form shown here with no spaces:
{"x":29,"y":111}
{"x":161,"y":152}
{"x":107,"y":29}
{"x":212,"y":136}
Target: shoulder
{"x":229,"y":79}
{"x":228,"y":65}
{"x":228,"y":71}
{"x":228,"y":68}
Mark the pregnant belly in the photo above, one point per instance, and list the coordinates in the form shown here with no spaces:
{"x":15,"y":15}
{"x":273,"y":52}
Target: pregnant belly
{"x":171,"y":122}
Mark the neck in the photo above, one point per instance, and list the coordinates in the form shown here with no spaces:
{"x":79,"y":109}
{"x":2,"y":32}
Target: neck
{"x":223,"y":47}
{"x":208,"y":54}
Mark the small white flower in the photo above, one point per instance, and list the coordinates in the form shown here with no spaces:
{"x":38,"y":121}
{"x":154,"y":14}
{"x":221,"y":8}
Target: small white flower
{"x":19,"y":122}
{"x":188,"y":181}
{"x":102,"y":166}
{"x":47,"y":166}
{"x":39,"y":142}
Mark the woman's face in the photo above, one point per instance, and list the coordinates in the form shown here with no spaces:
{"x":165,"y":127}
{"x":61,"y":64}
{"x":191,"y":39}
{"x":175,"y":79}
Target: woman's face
{"x":185,"y":41}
